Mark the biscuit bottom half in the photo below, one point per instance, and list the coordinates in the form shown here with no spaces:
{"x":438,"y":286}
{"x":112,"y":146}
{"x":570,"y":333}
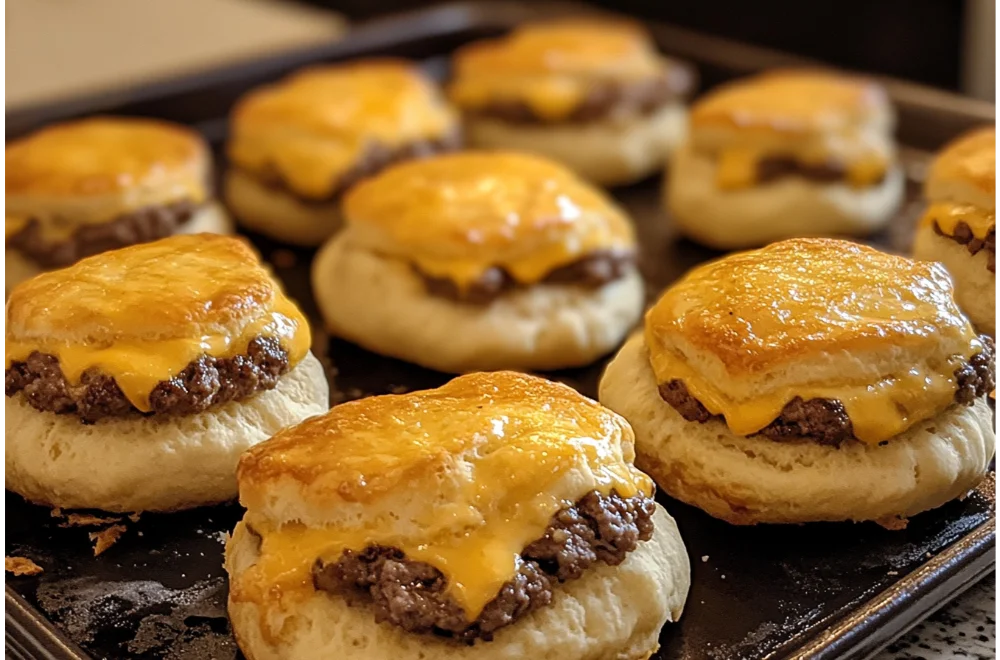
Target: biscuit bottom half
{"x":154,"y":463}
{"x":382,"y":304}
{"x":749,"y":480}
{"x":609,"y":612}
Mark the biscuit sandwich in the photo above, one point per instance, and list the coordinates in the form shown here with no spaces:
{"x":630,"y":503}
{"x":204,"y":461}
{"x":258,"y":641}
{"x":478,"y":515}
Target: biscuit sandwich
{"x":79,"y":188}
{"x":959,"y":228}
{"x":811,"y":380}
{"x":478,"y":261}
{"x":135,"y":378}
{"x":297,"y":145}
{"x":786,"y":154}
{"x":498,"y":516}
{"x":593,"y":94}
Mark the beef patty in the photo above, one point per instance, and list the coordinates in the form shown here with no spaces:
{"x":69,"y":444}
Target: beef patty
{"x":592,"y":271}
{"x":205,"y":382}
{"x":963,"y":236}
{"x":825,"y":420}
{"x":773,"y":168}
{"x":413,"y":595}
{"x":140,"y":226}
{"x":375,"y":158}
{"x":603,"y":99}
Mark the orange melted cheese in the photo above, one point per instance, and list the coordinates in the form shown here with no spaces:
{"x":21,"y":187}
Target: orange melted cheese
{"x":738,"y":168}
{"x":462,"y":477}
{"x":13,"y":225}
{"x":457,"y":215}
{"x":150,"y":308}
{"x":947,"y":215}
{"x":551,"y":67}
{"x":313,"y":127}
{"x":766,"y":309}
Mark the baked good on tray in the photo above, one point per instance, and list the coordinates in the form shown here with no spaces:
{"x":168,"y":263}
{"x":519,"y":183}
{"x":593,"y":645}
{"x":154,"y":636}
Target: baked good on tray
{"x":498,"y":516}
{"x":134,"y":379}
{"x":295,"y":146}
{"x":592,"y":93}
{"x":810,"y":380}
{"x":959,"y":228}
{"x":481,"y":260}
{"x":783,"y":154}
{"x":80,"y":188}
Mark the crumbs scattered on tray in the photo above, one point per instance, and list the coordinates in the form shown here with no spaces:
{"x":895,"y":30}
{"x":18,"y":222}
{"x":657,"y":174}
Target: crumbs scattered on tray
{"x":21,"y":566}
{"x":106,"y":538}
{"x":86,"y":520}
{"x":892,"y":523}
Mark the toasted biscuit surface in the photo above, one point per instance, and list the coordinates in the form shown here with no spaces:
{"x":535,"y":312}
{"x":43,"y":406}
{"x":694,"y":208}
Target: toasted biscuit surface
{"x":965,"y":171}
{"x":315,"y":125}
{"x":458,"y":214}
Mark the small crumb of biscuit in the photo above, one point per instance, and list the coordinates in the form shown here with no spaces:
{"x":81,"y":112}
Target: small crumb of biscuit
{"x":106,"y":538}
{"x":134,"y":517}
{"x":21,"y":566}
{"x":284,"y":258}
{"x":704,"y":558}
{"x":892,"y":523}
{"x":86,"y":520}
{"x":56,"y":512}
{"x":892,"y":573}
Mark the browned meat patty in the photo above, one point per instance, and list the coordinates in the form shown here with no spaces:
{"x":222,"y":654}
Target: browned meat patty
{"x":825,"y":420}
{"x":140,"y":226}
{"x":412,"y":594}
{"x":964,"y":236}
{"x":605,"y":98}
{"x":204,"y":383}
{"x":592,"y":271}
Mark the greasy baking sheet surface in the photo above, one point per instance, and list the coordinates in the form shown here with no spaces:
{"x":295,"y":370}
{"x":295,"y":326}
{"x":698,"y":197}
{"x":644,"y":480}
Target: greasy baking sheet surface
{"x":757,"y":592}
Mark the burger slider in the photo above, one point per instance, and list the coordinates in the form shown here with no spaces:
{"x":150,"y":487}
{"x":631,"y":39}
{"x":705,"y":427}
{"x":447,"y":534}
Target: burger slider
{"x":959,"y":228}
{"x":481,"y":260}
{"x":297,"y":145}
{"x":811,"y":380}
{"x":77,"y":189}
{"x":498,"y":516}
{"x":137,"y":377}
{"x":593,"y":94}
{"x":786,"y":154}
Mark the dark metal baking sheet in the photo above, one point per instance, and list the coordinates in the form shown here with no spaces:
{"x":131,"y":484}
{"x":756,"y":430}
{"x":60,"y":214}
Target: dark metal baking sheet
{"x":814,"y":591}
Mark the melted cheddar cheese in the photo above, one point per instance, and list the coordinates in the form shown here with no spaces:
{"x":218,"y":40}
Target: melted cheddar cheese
{"x":738,"y":168}
{"x":13,"y":225}
{"x":462,"y":477}
{"x":313,"y":127}
{"x":947,"y":215}
{"x":143,"y":313}
{"x":457,"y":215}
{"x":774,"y":309}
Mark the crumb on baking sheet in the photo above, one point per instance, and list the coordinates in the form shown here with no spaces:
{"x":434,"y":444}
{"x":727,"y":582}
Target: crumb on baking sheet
{"x":134,"y":517}
{"x":56,"y":512}
{"x":892,"y":523}
{"x":86,"y":520}
{"x":106,"y":538}
{"x":21,"y":566}
{"x":704,"y":558}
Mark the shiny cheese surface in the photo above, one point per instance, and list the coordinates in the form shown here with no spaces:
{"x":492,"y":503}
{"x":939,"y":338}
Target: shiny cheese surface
{"x":143,"y":313}
{"x":552,"y":66}
{"x":462,"y":477}
{"x":947,"y":215}
{"x":314,"y":126}
{"x":764,"y":311}
{"x":107,"y":155}
{"x":459,"y":214}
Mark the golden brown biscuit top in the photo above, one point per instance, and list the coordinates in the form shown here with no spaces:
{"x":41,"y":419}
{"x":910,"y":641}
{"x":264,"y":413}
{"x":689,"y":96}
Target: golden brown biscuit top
{"x":143,"y":313}
{"x":751,"y":331}
{"x":106,"y":156}
{"x":457,"y":214}
{"x":792,"y":101}
{"x":552,"y":65}
{"x":971,"y":160}
{"x":317,"y":124}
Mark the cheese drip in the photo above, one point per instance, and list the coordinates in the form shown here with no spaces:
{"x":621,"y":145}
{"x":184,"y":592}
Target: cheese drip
{"x":138,"y":366}
{"x":485,"y":482}
{"x":738,"y":169}
{"x":878,"y":410}
{"x":947,"y":215}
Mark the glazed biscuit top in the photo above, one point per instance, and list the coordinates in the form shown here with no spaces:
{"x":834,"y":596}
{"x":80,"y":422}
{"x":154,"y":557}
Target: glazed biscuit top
{"x":456,"y":215}
{"x":815,"y":117}
{"x":461,"y":477}
{"x":813,"y":318}
{"x":142,"y":313}
{"x":961,"y":184}
{"x":314,"y":126}
{"x":551,"y":66}
{"x":93,"y":170}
